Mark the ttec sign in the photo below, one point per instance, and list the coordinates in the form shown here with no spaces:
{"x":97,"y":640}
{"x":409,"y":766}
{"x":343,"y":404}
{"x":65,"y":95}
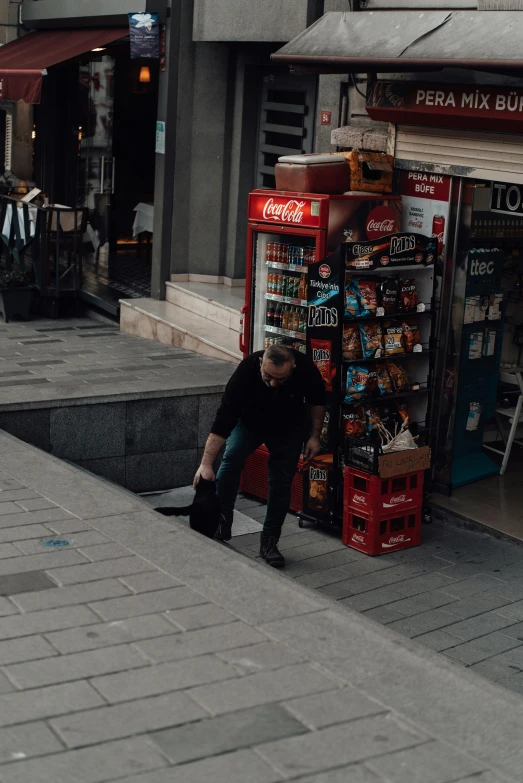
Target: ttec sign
{"x":290,"y":210}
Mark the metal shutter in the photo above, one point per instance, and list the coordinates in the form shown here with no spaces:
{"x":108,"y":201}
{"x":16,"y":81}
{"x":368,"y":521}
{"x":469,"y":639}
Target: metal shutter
{"x":286,"y":123}
{"x":461,"y":153}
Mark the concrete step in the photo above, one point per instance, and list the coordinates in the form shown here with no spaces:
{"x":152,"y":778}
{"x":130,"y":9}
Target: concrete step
{"x":214,"y":301}
{"x":171,"y":324}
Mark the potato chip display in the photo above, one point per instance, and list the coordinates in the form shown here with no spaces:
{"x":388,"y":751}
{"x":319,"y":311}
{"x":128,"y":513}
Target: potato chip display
{"x":388,"y":294}
{"x":383,"y":379}
{"x":398,"y":376}
{"x":367,"y":297}
{"x":322,"y":358}
{"x":411,"y":335}
{"x":393,"y":338}
{"x":371,"y":340}
{"x":353,"y":420}
{"x":352,"y":304}
{"x":408,"y":301}
{"x":351,"y":344}
{"x":358,"y":378}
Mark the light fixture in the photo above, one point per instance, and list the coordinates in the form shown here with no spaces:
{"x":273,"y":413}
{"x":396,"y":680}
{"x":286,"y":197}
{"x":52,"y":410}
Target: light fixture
{"x":145,"y":74}
{"x":99,"y":49}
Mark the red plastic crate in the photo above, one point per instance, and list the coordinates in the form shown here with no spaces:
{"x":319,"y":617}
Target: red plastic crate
{"x":378,"y":536}
{"x":255,"y":479}
{"x":382,"y":497}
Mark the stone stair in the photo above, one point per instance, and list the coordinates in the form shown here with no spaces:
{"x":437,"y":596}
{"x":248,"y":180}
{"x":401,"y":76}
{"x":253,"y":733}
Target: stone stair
{"x":200,"y":317}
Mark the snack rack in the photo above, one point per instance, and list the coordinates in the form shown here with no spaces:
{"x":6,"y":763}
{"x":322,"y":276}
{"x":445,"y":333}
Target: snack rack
{"x":360,"y":452}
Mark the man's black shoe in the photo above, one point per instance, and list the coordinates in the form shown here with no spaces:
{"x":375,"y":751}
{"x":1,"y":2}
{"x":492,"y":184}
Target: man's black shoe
{"x":269,"y":551}
{"x":224,"y":532}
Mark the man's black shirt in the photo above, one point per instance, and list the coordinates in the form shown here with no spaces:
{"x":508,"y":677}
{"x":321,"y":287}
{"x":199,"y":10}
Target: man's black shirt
{"x":266,"y":410}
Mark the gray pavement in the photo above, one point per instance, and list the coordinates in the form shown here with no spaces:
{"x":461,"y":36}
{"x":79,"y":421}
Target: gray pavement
{"x":460,"y":593}
{"x":44,"y":362}
{"x":142,"y":652}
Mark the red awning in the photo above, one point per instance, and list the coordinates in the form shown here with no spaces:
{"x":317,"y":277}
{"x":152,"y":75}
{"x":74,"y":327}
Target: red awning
{"x":23,"y":61}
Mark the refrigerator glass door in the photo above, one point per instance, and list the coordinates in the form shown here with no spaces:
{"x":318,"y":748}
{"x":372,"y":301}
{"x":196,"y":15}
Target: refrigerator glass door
{"x":279,"y":295}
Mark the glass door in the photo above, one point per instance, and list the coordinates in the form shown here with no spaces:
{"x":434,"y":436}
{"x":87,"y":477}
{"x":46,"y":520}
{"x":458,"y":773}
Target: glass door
{"x":96,"y":170}
{"x":280,"y":288}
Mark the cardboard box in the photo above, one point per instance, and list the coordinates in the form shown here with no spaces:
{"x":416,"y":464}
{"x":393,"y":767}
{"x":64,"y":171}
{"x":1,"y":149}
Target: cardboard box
{"x":400,"y":462}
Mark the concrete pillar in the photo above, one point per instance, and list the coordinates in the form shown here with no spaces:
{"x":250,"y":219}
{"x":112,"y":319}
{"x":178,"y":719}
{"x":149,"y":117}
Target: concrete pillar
{"x":243,"y":152}
{"x":165,"y":163}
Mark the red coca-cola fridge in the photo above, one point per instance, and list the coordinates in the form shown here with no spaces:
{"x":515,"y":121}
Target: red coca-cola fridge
{"x":287,"y":232}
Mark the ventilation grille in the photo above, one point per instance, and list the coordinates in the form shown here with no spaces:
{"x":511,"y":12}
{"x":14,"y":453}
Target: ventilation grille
{"x":8,"y":141}
{"x":286,"y":123}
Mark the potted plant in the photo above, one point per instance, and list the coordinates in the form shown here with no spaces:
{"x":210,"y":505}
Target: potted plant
{"x":15,"y":294}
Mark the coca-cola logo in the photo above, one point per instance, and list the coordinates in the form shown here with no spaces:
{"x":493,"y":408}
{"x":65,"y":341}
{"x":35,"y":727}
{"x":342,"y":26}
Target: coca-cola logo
{"x":290,"y":211}
{"x":359,"y":499}
{"x":324,"y":271}
{"x":398,"y":499}
{"x":395,"y":540}
{"x":359,"y":539}
{"x":381,"y":221}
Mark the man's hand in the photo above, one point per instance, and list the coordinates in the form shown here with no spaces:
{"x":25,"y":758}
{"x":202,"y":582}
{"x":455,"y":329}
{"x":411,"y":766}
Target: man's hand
{"x":312,"y":448}
{"x":205,"y":472}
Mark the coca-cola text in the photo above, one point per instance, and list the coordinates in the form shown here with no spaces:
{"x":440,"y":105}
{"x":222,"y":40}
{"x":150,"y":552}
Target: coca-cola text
{"x":288,"y":212}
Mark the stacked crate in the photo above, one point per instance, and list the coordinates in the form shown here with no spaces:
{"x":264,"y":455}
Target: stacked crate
{"x":381,"y":515}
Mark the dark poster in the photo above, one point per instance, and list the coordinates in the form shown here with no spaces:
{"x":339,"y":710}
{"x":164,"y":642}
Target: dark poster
{"x":324,"y":330}
{"x":144,"y":30}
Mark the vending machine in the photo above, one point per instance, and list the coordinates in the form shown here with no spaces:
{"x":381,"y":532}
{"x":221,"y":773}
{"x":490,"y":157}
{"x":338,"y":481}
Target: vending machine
{"x":288,"y":233}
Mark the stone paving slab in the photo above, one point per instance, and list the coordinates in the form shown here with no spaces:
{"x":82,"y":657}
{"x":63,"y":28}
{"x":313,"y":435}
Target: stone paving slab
{"x":161,"y":656}
{"x":42,"y":365}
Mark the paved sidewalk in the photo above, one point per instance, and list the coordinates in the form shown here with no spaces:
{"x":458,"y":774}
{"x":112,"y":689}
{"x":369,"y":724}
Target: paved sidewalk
{"x":46,"y":361}
{"x":145,"y":653}
{"x":459,"y":593}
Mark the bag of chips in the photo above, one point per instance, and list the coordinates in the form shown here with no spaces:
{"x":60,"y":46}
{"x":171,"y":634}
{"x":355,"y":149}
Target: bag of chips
{"x":383,"y":379}
{"x":398,"y":376}
{"x":412,"y":337}
{"x":357,"y":383}
{"x":373,"y":418}
{"x":388,"y":294}
{"x":371,"y":340}
{"x":393,"y":338}
{"x":408,"y":301}
{"x":354,"y":422}
{"x":322,"y":358}
{"x":351,"y":343}
{"x":367,"y":297}
{"x":403,"y":412}
{"x":352,"y":304}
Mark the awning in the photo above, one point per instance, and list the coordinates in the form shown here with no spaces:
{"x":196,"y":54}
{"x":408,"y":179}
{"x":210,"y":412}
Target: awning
{"x":389,"y":41}
{"x":23,"y":61}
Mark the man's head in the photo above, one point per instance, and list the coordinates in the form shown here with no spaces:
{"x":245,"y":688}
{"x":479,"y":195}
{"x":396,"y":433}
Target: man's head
{"x":276,"y":365}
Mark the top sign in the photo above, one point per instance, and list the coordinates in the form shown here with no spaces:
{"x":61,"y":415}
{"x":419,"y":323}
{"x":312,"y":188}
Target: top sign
{"x":294,"y":210}
{"x":446,"y":105}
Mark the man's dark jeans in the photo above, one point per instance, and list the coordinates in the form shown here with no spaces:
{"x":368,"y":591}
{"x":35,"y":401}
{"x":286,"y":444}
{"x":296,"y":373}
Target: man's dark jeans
{"x":284,"y":453}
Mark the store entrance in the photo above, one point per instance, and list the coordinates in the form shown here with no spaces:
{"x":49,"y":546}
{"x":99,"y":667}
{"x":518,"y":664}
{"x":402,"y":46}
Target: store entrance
{"x":479,"y":459}
{"x":116,"y":159}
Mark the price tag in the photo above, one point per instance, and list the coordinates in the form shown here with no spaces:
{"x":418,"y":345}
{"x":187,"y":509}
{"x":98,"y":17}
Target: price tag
{"x":380,"y":312}
{"x":421,"y":307}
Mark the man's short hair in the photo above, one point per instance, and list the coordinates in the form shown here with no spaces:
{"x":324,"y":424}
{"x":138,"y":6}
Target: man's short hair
{"x":279,"y":354}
